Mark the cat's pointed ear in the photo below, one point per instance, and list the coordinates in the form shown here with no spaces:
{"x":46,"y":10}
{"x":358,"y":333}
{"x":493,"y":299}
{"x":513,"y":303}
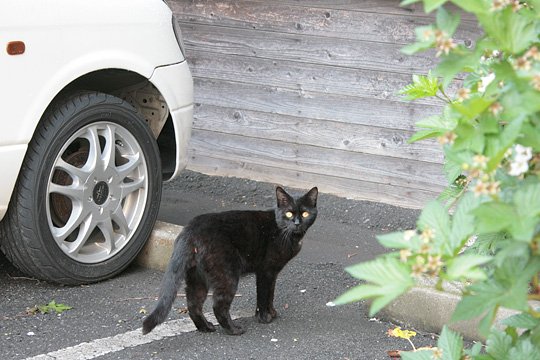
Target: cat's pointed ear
{"x":311,"y":196}
{"x":283,"y":199}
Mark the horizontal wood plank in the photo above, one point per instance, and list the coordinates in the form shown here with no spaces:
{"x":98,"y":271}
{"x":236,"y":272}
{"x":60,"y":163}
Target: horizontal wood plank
{"x":306,"y":49}
{"x":325,"y":79}
{"x":348,"y":188}
{"x":326,"y":134}
{"x":354,"y":110}
{"x":375,"y":6}
{"x":296,"y":19}
{"x":305,"y":158}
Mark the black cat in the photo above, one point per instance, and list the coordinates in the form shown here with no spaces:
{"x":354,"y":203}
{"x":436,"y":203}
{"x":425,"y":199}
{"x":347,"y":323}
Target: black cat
{"x":214,"y":250}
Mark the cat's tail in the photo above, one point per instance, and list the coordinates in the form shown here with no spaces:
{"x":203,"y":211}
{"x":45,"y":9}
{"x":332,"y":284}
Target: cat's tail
{"x":172,"y":279}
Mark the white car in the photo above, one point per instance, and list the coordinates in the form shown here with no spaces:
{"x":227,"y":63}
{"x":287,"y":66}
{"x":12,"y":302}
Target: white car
{"x":97,"y":104}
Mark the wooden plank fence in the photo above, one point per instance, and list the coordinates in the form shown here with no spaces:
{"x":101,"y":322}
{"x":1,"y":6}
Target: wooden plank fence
{"x":304,"y":93}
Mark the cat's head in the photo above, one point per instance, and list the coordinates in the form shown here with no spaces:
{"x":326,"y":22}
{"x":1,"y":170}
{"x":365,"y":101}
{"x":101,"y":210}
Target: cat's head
{"x":296,"y":215}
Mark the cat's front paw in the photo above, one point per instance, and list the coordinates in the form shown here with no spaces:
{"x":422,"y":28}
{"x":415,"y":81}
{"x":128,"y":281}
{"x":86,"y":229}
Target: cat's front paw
{"x":264,"y":317}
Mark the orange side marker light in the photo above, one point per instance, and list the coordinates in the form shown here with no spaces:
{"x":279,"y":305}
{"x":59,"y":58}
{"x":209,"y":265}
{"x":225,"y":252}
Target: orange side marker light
{"x":15,"y":47}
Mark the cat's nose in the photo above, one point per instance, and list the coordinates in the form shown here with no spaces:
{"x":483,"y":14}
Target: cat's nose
{"x":296,"y":221}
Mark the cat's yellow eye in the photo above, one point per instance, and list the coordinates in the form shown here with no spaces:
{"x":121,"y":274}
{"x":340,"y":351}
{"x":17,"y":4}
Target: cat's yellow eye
{"x":305,"y":214}
{"x":289,"y":214}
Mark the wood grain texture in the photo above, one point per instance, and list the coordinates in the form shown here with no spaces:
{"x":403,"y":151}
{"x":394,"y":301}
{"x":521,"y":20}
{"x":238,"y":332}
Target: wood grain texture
{"x":331,"y":107}
{"x":326,"y":79}
{"x":304,"y":92}
{"x":347,"y":188}
{"x":330,"y":162}
{"x":375,"y":6}
{"x":320,"y":133}
{"x":306,"y":49}
{"x":300,"y":18}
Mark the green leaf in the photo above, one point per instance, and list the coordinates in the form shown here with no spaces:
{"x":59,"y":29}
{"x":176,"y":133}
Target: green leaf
{"x":437,"y":122}
{"x":387,"y":277}
{"x":430,"y":5}
{"x":425,"y":134}
{"x":524,"y":349}
{"x":475,"y":350}
{"x":395,"y":240}
{"x":475,"y":7}
{"x":527,"y":200}
{"x":417,"y":355}
{"x":506,"y":139}
{"x":489,"y":124}
{"x":530,"y":137}
{"x":508,"y":249}
{"x":450,"y":192}
{"x":473,"y":107}
{"x":498,"y":345}
{"x":466,"y":267}
{"x":413,"y":48}
{"x":452,"y":169}
{"x":53,"y":306}
{"x":513,"y":32}
{"x":421,"y":87}
{"x":447,"y":21}
{"x":486,"y":323}
{"x":435,"y":217}
{"x":507,"y":287}
{"x":519,"y":103}
{"x":469,"y":138}
{"x":493,"y":217}
{"x":454,"y":63}
{"x":408,"y":2}
{"x":451,"y":344}
{"x":522,"y":321}
{"x":463,"y":222}
{"x":435,"y":126}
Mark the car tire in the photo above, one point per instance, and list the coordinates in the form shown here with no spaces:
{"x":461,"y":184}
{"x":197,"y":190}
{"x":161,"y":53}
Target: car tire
{"x":88,"y":192}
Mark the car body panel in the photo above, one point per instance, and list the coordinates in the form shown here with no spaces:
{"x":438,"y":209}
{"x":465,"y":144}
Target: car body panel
{"x":166,"y":80}
{"x":66,"y":39}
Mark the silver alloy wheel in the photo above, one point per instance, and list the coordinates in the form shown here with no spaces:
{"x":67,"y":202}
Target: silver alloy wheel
{"x":97,"y":191}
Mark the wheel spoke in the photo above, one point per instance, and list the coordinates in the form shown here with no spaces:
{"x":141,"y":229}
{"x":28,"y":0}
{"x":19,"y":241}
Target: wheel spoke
{"x":94,"y":151}
{"x":85,"y":230}
{"x":71,"y":191}
{"x":107,"y":230}
{"x":120,"y":219}
{"x":78,"y":215}
{"x":107,"y":156}
{"x":128,"y":188}
{"x":133,"y":162}
{"x":77,"y":174}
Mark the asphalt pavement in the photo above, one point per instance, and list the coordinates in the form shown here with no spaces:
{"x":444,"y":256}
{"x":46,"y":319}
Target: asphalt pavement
{"x":105,"y":319}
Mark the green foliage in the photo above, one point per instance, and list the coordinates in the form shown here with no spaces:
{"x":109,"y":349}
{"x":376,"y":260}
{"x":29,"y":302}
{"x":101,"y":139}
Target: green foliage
{"x":449,"y":347}
{"x":48,"y":308}
{"x":421,"y":87}
{"x":489,"y":130}
{"x":388,"y":277}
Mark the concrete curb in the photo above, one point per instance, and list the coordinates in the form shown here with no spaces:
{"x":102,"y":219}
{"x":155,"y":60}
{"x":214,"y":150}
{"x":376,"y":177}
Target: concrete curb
{"x":422,"y":308}
{"x":428,"y":309}
{"x":158,"y":249}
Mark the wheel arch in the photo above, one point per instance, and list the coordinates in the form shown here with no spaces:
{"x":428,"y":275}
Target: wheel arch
{"x":141,"y":94}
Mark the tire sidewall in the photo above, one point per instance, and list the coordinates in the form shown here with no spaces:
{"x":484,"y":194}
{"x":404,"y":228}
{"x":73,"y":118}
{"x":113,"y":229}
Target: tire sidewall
{"x":65,"y":124}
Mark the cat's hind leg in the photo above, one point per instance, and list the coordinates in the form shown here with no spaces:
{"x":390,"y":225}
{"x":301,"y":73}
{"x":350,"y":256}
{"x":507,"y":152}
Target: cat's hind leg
{"x":223,"y":297}
{"x":196,"y":292}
